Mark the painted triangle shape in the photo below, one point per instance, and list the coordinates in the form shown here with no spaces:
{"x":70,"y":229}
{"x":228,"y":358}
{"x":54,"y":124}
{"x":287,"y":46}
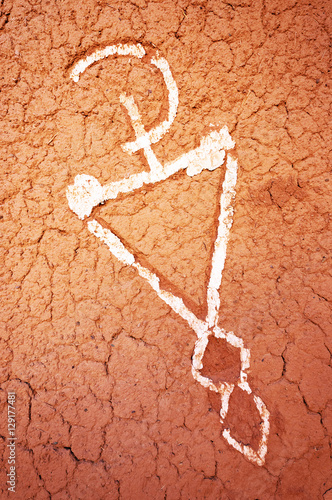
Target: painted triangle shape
{"x":170,"y":228}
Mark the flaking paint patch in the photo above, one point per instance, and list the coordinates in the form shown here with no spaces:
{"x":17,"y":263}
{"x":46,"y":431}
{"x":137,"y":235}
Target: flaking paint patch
{"x":87,"y":192}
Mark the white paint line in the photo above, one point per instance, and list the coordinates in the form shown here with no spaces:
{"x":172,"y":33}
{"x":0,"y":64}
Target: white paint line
{"x":246,"y":450}
{"x":155,"y":134}
{"x":122,"y":50}
{"x":219,"y":255}
{"x":201,"y":328}
{"x":265,"y":426}
{"x":86,"y":192}
{"x":174,"y":302}
{"x":113,"y":242}
{"x":259,"y":456}
{"x":234,"y":340}
{"x":245,"y":358}
{"x":136,"y":120}
{"x":197,"y":362}
{"x":243,"y":384}
{"x":225,"y":401}
{"x":123,"y":255}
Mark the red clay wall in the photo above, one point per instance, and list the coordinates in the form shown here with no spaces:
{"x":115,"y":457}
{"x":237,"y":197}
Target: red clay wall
{"x":106,"y":406}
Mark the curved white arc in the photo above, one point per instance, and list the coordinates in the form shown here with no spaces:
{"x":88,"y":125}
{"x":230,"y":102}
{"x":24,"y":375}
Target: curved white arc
{"x":245,"y":449}
{"x":135,"y":50}
{"x":173,"y":93}
{"x":155,"y":134}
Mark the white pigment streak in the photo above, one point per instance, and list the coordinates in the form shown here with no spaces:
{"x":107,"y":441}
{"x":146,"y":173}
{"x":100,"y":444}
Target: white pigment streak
{"x":122,"y":50}
{"x":136,"y":121}
{"x":245,"y":358}
{"x":265,"y":426}
{"x":234,"y":340}
{"x":225,"y":223}
{"x":113,"y":242}
{"x":121,"y":253}
{"x":86,"y":193}
{"x":135,"y":181}
{"x":171,"y":300}
{"x":243,"y":384}
{"x":213,"y":301}
{"x":225,"y":395}
{"x":155,"y":134}
{"x":83,"y":196}
{"x":246,"y":450}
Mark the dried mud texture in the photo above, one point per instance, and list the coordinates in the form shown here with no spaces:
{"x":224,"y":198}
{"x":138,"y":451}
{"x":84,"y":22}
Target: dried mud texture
{"x":106,"y":403}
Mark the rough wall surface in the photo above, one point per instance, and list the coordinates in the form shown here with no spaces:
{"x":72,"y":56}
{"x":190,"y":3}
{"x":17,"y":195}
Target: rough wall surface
{"x":106,"y":403}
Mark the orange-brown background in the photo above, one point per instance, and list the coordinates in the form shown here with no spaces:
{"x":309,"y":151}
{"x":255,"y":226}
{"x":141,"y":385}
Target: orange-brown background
{"x":107,"y":406}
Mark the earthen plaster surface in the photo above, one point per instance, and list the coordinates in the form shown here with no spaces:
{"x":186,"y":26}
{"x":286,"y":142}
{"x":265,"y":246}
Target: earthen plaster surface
{"x":106,"y":403}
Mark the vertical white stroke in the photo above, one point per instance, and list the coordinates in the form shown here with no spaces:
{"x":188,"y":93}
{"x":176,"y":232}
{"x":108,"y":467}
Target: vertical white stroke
{"x":155,"y":134}
{"x":137,"y":124}
{"x":137,"y":50}
{"x":219,"y":255}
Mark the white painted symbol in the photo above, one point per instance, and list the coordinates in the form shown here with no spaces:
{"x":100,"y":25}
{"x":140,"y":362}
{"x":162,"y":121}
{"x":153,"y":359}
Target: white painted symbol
{"x":87,"y":193}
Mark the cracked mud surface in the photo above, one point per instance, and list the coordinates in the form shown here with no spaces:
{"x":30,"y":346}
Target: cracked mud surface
{"x":106,"y":403}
